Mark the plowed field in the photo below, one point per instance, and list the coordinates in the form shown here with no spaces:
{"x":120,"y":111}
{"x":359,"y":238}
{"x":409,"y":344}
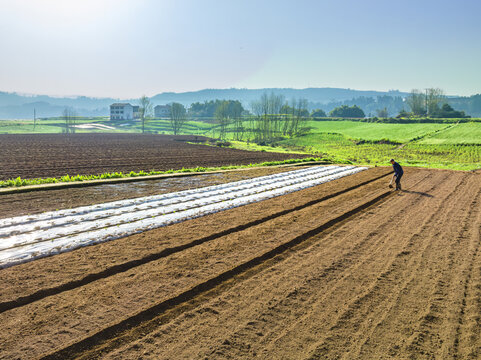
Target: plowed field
{"x":54,"y":155}
{"x":343,"y":270}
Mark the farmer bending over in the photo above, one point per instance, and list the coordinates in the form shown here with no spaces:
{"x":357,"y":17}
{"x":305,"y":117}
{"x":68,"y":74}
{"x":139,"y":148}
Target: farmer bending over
{"x":398,"y":173}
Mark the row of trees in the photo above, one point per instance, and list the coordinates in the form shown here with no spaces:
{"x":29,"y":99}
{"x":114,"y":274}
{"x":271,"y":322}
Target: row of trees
{"x":428,"y":103}
{"x":207,"y":109}
{"x":345,"y":111}
{"x":370,"y":105}
{"x":178,"y":114}
{"x":230,"y":112}
{"x":425,"y":103}
{"x":69,"y":116}
{"x":272,"y":116}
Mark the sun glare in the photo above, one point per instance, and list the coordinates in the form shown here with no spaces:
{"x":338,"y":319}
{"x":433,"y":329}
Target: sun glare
{"x":70,"y":12}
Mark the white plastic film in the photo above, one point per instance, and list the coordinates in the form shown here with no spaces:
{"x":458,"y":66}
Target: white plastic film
{"x":26,"y":238}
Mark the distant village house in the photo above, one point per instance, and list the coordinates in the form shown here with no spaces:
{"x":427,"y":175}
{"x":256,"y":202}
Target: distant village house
{"x":162,"y":111}
{"x":124,"y":111}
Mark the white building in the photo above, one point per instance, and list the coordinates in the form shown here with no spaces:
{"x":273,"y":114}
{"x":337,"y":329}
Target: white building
{"x":136,"y":110}
{"x":122,"y":111}
{"x":162,"y":111}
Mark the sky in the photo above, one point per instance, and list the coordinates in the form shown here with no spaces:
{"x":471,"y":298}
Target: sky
{"x":127,"y":48}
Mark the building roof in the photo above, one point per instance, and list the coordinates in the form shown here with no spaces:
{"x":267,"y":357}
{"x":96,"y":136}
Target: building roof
{"x":120,"y":104}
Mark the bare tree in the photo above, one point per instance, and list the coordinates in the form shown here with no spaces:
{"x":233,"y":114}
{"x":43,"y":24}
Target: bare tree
{"x":256,"y":110}
{"x":416,"y":101}
{"x":382,"y":113}
{"x":301,"y":115}
{"x":426,"y":103}
{"x":297,"y":114}
{"x":271,"y":107}
{"x":275,"y":105}
{"x":434,"y":96}
{"x":222,"y":117}
{"x":267,"y":115}
{"x":145,"y":110}
{"x":178,"y":116}
{"x":69,"y":116}
{"x":235,"y":110}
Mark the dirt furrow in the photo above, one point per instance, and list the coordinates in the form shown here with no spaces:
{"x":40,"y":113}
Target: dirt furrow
{"x":151,"y":313}
{"x":337,"y":271}
{"x":367,"y":249}
{"x":446,"y":266}
{"x":169,"y":278}
{"x":420,"y":303}
{"x":467,"y":343}
{"x":370,"y":306}
{"x":73,"y":266}
{"x":275,"y":316}
{"x":128,"y":265}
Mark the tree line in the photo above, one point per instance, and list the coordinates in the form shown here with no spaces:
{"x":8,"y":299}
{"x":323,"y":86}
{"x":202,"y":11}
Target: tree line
{"x":272,"y":116}
{"x":428,"y":103}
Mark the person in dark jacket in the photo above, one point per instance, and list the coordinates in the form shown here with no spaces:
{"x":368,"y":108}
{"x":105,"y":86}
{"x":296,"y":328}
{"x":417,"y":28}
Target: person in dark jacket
{"x":398,"y":173}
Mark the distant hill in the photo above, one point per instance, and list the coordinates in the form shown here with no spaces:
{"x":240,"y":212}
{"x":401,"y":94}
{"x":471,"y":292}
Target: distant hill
{"x":17,"y":106}
{"x":315,"y":95}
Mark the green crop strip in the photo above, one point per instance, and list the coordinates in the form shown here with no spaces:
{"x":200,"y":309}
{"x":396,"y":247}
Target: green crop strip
{"x":19,"y":182}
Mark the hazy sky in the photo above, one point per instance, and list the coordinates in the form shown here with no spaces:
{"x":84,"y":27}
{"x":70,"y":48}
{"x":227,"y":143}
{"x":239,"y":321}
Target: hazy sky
{"x":126,"y":48}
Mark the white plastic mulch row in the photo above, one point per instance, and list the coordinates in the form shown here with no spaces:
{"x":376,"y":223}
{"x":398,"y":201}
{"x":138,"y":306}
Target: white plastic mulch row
{"x":27,"y":238}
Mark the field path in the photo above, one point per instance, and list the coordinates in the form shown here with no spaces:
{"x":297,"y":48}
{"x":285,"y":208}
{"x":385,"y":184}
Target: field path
{"x":343,"y":270}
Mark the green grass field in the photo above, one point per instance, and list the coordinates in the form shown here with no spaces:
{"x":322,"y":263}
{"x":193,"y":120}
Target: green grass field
{"x":340,"y":149}
{"x":442,"y":146}
{"x":450,"y":146}
{"x":374,"y":131}
{"x":469,"y":133}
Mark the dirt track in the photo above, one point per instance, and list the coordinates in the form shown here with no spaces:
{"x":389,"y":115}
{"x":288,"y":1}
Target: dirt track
{"x":55,"y":155}
{"x":345,"y":270}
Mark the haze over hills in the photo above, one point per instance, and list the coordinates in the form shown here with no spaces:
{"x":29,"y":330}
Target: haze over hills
{"x":18,"y":106}
{"x":313,"y":95}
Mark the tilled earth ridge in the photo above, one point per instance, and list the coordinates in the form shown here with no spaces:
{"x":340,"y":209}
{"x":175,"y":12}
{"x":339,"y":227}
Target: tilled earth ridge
{"x":31,"y":237}
{"x":399,"y":278}
{"x":73,"y":266}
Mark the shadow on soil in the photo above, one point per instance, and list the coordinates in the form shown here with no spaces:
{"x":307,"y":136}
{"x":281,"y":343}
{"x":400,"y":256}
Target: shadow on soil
{"x":417,"y":193}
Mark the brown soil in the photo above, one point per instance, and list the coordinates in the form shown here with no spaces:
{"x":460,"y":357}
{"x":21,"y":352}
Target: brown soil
{"x":344,"y":270}
{"x":55,"y":155}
